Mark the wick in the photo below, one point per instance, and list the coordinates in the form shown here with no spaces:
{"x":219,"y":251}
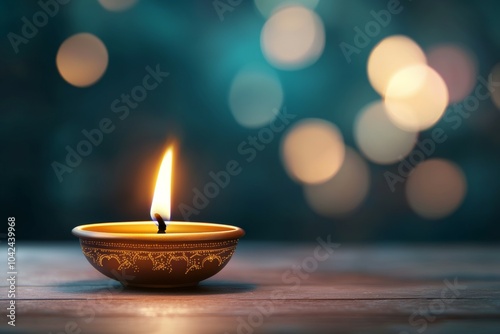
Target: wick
{"x":162,"y":227}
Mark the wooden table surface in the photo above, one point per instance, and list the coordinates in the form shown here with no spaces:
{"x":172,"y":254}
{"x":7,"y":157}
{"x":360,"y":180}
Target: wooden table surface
{"x":268,"y":288}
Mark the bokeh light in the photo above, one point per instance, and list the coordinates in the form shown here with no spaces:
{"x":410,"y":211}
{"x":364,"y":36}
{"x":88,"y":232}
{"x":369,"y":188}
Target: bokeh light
{"x":255,"y":96}
{"x":378,"y":138}
{"x":313,"y":151}
{"x":457,"y":67}
{"x":344,"y":192}
{"x":117,"y":5}
{"x":293,"y":38}
{"x":435,"y":188}
{"x":415,"y":105}
{"x":82,"y":59}
{"x":266,"y":7}
{"x":495,"y":90}
{"x":390,"y":56}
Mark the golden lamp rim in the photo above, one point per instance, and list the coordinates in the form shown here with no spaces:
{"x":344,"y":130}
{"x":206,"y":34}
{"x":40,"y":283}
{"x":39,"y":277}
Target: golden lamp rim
{"x":147,"y":231}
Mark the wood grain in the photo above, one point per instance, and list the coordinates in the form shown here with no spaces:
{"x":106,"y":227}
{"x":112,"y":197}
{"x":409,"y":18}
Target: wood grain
{"x":358,"y":289}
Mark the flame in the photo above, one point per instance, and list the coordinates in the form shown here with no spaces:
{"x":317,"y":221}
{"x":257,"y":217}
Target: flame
{"x":163,"y":188}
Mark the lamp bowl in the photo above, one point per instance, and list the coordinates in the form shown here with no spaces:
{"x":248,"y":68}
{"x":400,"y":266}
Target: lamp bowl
{"x":134,"y":254}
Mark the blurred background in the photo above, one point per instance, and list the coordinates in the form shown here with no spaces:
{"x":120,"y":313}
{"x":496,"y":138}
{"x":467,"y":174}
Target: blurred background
{"x":371,"y":121}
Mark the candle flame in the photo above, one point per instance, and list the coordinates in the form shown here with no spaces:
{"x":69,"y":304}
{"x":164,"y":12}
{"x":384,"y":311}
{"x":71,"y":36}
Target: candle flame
{"x":163,"y":188}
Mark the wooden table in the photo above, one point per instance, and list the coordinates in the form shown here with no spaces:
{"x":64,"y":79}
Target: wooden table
{"x":352,"y":289}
